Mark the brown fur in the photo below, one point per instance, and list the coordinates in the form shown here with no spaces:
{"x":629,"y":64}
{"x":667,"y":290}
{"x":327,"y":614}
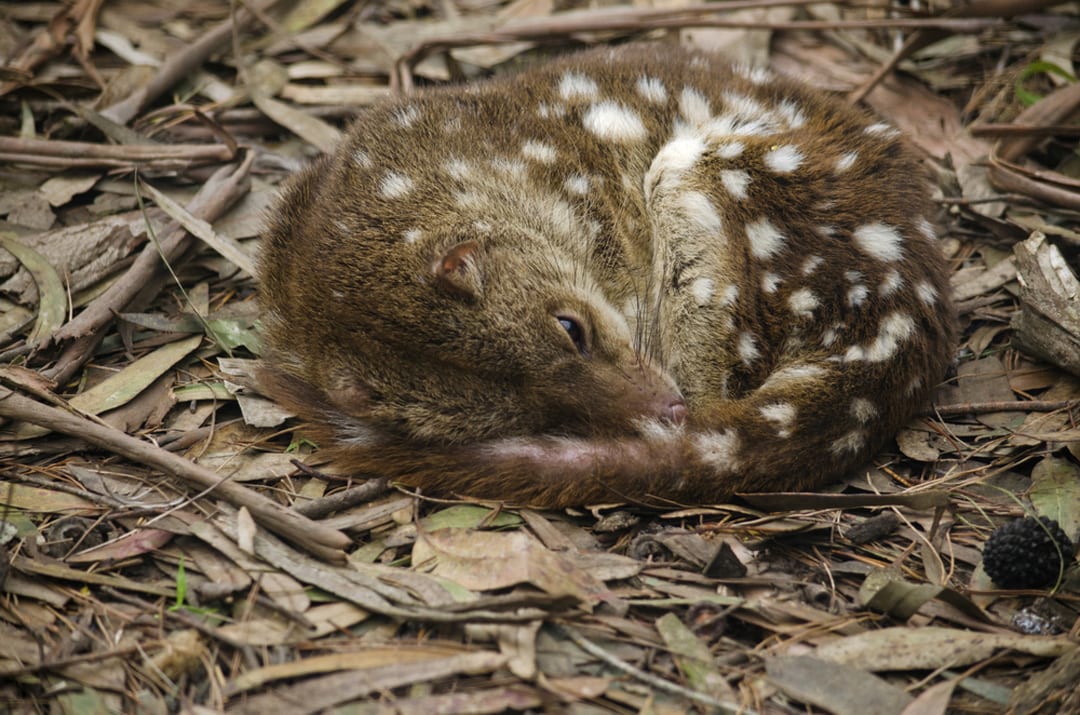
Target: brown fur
{"x":754,"y":317}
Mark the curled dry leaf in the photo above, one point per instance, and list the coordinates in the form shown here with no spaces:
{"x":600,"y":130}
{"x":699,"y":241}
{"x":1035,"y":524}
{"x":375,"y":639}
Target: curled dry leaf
{"x":52,"y":299}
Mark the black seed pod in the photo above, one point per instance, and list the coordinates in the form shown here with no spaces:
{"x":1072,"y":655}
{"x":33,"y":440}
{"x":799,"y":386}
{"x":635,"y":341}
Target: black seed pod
{"x":1027,"y":553}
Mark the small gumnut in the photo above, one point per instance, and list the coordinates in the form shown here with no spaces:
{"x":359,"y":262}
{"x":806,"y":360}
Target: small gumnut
{"x":1027,"y":553}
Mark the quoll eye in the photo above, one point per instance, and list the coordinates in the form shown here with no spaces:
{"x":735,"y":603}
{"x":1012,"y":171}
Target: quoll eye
{"x":576,"y":332}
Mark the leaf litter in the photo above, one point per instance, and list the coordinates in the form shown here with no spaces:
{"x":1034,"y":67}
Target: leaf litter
{"x":170,"y":542}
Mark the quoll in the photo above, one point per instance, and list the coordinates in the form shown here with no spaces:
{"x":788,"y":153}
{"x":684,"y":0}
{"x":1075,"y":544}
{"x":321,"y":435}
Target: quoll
{"x":629,"y":274}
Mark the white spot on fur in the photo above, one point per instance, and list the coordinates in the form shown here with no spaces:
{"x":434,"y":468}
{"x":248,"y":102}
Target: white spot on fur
{"x":745,"y":107}
{"x":539,"y":151}
{"x":811,"y":264}
{"x":693,"y":106}
{"x":802,"y":372}
{"x":756,"y":74}
{"x":769,"y":282}
{"x":613,"y":122}
{"x":879,"y":241}
{"x":718,"y":449}
{"x":702,"y":289}
{"x":856,"y":295}
{"x":734,"y":125}
{"x":412,"y":235}
{"x":825,"y":230}
{"x":784,"y":159}
{"x":926,"y":292}
{"x":926,"y":229}
{"x":730,"y":150}
{"x":747,"y":348}
{"x":829,"y":335}
{"x":574,"y":86}
{"x":765,"y":239}
{"x":510,"y":167}
{"x":881,"y":129}
{"x":791,"y":113}
{"x":852,"y":276}
{"x":890,"y":283}
{"x":894,"y":329}
{"x":652,"y":89}
{"x":659,"y":430}
{"x":701,"y":212}
{"x":395,"y":185}
{"x":355,"y":433}
{"x":672,"y":161}
{"x":846,"y":161}
{"x":482,"y":226}
{"x":803,"y":302}
{"x":361,"y":159}
{"x":863,"y":409}
{"x":468,"y":199}
{"x":577,"y":184}
{"x":782,"y":414}
{"x":731,"y":294}
{"x":458,"y":169}
{"x":735,"y":181}
{"x":406,"y":116}
{"x":852,"y":442}
{"x":559,"y":215}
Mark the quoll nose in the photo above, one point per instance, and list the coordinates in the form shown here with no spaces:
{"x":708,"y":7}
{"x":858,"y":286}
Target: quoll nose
{"x":676,"y":412}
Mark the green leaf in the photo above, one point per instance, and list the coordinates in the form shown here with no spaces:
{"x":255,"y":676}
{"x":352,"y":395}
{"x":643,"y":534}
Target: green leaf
{"x":468,"y":516}
{"x":1028,"y":98}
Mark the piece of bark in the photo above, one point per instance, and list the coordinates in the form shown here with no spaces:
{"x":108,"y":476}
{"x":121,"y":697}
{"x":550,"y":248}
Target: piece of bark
{"x":1048,"y":322}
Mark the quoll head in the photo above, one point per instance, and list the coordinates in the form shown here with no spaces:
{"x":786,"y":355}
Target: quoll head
{"x":468,"y":333}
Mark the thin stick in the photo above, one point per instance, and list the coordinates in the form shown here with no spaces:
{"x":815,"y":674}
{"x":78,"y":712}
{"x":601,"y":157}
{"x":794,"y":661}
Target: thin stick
{"x":324,"y":506}
{"x":978,"y":408}
{"x":652,"y":19}
{"x":659,"y":683}
{"x":320,"y":540}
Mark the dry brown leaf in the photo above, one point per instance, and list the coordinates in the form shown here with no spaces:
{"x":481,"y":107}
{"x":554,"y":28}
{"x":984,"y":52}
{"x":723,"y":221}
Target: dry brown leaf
{"x":485,"y":560}
{"x":932,"y":647}
{"x":840,"y":689}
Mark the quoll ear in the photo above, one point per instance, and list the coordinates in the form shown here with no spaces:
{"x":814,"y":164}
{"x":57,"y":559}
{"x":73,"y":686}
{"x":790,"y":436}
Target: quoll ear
{"x":458,"y":271}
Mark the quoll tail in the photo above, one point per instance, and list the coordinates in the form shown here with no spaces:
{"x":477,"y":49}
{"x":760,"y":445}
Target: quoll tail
{"x":807,"y":424}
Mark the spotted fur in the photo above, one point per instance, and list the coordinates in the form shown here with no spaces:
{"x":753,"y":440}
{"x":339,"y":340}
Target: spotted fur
{"x":627,"y":275}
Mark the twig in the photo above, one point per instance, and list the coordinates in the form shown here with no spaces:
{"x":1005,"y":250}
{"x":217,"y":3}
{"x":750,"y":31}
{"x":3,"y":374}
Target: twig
{"x":979,"y":408}
{"x":320,"y":540}
{"x":12,"y":672}
{"x":659,"y":683}
{"x":51,"y":152}
{"x":319,"y":508}
{"x":633,"y":20}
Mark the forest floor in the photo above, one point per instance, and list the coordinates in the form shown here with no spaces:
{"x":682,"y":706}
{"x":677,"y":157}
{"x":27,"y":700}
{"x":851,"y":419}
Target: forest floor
{"x":165,"y":547}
